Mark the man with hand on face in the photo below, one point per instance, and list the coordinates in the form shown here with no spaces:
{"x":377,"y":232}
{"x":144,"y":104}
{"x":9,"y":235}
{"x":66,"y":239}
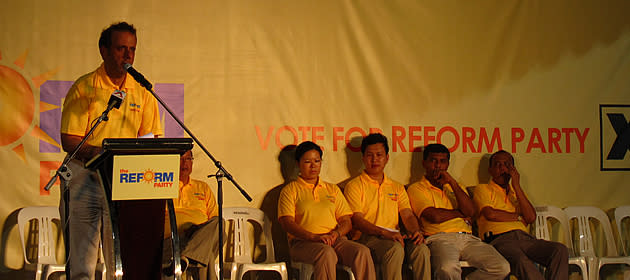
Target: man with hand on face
{"x":445,"y":211}
{"x":376,"y":201}
{"x":504,"y":213}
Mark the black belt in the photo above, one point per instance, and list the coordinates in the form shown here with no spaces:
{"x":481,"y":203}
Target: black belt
{"x":489,"y":236}
{"x":459,"y":232}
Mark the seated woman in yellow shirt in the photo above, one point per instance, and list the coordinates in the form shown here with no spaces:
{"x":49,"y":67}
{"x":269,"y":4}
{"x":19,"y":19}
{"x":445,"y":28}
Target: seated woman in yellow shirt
{"x":316,"y":217}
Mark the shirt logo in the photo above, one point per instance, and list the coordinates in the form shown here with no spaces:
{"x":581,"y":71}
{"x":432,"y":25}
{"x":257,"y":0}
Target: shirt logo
{"x":199,"y":196}
{"x":393,"y":196}
{"x":134,"y":107}
{"x":331,"y":198}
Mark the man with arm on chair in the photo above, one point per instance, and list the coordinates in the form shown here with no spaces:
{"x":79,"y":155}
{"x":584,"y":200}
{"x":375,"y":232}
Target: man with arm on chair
{"x":197,"y":213}
{"x":504,"y":213}
{"x":445,"y":211}
{"x":376,"y":201}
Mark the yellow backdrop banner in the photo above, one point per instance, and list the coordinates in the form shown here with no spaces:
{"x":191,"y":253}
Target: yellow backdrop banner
{"x":544,"y":80}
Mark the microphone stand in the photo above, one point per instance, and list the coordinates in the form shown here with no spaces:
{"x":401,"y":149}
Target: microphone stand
{"x":219,"y":175}
{"x":66,"y":174}
{"x":222,"y":172}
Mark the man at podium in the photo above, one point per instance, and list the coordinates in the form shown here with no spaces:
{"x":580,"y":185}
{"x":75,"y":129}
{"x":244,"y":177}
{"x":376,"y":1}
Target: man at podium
{"x":196,"y":212}
{"x":138,"y":115}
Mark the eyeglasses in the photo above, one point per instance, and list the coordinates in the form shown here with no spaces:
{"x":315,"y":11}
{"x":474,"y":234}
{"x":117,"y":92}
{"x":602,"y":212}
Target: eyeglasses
{"x":187,"y":159}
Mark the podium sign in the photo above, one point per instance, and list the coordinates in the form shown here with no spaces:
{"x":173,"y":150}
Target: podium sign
{"x":138,"y":177}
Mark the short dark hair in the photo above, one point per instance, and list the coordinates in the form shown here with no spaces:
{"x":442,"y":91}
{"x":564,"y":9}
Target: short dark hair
{"x":374,"y":138}
{"x":437,"y":149}
{"x":106,"y":35}
{"x":498,"y":153}
{"x":305,"y":147}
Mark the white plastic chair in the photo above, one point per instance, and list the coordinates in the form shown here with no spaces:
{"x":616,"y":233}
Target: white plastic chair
{"x":46,"y":254}
{"x":306,"y":270}
{"x":583,"y":214}
{"x":243,"y":245}
{"x":621,"y":213}
{"x":541,"y":228}
{"x":46,"y":247}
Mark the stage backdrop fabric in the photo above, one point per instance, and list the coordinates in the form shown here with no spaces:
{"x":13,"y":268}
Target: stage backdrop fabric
{"x":545,"y":80}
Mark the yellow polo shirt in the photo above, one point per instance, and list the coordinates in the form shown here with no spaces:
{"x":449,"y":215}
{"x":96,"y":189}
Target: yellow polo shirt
{"x":314,"y":208}
{"x":494,"y":196}
{"x":195,"y":205}
{"x":379,"y":203}
{"x":423,"y":194}
{"x":87,"y":99}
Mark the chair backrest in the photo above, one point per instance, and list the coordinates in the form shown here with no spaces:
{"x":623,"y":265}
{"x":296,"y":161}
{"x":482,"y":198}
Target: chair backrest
{"x":242,"y":218}
{"x":583,"y":215}
{"x":621,"y":213}
{"x":44,"y":215}
{"x":542,"y":225}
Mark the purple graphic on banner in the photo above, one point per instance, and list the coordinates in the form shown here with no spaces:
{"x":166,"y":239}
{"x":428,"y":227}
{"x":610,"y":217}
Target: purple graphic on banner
{"x":173,"y":96}
{"x":53,"y":92}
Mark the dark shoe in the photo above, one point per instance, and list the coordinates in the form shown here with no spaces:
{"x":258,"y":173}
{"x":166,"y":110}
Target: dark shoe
{"x":169,"y":270}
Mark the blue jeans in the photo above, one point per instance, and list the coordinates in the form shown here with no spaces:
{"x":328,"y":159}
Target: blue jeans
{"x":87,"y":220}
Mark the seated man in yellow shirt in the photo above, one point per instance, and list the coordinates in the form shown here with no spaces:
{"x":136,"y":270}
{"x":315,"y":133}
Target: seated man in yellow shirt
{"x":196,"y":212}
{"x":377,"y":201}
{"x":504,"y":213}
{"x":445,"y":211}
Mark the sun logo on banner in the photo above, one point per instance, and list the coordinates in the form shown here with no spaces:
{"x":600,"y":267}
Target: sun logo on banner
{"x":148,"y":176}
{"x":17,"y":104}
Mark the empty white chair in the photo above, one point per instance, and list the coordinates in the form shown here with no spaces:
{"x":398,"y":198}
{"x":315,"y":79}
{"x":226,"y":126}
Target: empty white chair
{"x":243,"y":246}
{"x":621,"y":213}
{"x":583,"y":214}
{"x":541,"y":228}
{"x":46,"y":263}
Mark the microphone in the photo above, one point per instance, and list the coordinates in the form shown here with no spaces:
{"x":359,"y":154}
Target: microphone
{"x":115,"y":99}
{"x":137,"y":76}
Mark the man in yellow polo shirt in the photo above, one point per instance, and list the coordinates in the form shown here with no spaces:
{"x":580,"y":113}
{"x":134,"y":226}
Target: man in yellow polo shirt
{"x":377,"y":201}
{"x":445,"y":210}
{"x":197,"y":218}
{"x":504,"y":213}
{"x":138,"y":115}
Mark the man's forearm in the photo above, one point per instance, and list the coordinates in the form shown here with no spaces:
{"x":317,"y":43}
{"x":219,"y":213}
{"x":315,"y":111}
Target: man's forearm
{"x":440,"y":215}
{"x":344,"y":224}
{"x":465,"y":204}
{"x":70,"y":142}
{"x":496,"y":215}
{"x":358,"y":222}
{"x":527,"y":209}
{"x":409,"y":220}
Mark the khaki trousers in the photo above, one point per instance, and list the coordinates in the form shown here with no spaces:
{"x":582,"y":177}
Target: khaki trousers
{"x":200,"y":244}
{"x":389,"y":255}
{"x":324,"y":258}
{"x":447,"y":249}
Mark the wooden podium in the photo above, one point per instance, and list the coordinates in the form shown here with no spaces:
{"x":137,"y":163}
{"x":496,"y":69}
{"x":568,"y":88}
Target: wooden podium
{"x":140,"y":176}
